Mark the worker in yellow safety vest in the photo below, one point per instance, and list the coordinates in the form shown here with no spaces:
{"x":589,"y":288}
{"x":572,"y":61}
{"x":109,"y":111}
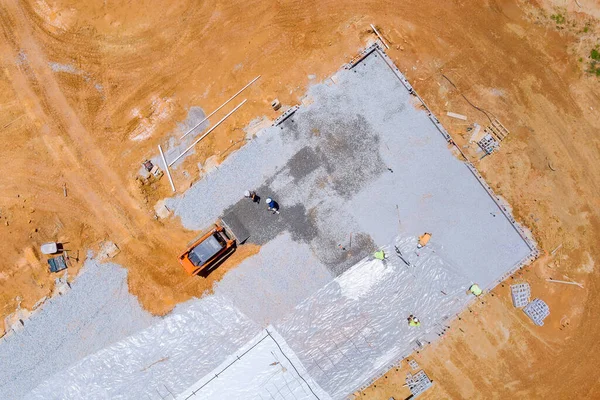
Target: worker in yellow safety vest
{"x":476,"y":290}
{"x":413,"y":321}
{"x":379,"y":255}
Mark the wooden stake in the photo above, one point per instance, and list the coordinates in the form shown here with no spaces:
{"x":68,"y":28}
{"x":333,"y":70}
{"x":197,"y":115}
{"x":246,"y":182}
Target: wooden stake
{"x":222,"y":105}
{"x":162,"y":155}
{"x":207,"y":132}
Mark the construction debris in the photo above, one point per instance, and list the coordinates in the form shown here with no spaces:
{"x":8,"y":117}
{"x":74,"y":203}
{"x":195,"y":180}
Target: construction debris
{"x":537,"y":310}
{"x":488,"y":144}
{"x":276,"y":104}
{"x":475,"y":135}
{"x":418,"y":383}
{"x":457,"y":116}
{"x":148,"y":165}
{"x":152,"y":169}
{"x":520,"y":294}
{"x":57,"y":263}
{"x":107,"y":250}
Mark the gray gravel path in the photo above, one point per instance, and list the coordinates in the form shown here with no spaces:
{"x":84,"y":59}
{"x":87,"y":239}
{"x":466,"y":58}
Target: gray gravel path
{"x":96,"y":312}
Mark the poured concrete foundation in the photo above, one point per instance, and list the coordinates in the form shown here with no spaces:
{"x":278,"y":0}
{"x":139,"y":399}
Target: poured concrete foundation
{"x":364,"y":166}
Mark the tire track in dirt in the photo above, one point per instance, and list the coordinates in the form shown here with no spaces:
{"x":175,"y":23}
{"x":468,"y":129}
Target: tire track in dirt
{"x":70,"y":140}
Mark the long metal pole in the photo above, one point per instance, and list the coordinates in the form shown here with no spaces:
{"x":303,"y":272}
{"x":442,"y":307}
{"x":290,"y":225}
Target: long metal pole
{"x":222,"y":105}
{"x":207,"y":132}
{"x":565,"y":282}
{"x":379,"y":36}
{"x":162,"y":155}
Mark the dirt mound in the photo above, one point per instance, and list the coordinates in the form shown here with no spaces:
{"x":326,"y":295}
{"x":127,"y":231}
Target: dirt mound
{"x":90,"y":89}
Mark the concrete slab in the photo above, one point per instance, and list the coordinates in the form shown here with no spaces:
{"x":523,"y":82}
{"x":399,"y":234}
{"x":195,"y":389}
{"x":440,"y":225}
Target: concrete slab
{"x":269,"y":285}
{"x":356,"y":169}
{"x":361,"y":161}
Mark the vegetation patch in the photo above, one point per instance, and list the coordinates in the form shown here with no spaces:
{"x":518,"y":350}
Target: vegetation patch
{"x":558,"y":18}
{"x":594,"y":67}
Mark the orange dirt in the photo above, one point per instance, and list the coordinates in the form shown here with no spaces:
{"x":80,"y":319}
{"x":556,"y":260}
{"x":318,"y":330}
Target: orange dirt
{"x":132,"y":70}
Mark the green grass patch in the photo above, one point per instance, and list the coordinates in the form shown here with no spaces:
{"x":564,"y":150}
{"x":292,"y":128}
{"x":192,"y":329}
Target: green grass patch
{"x":558,"y":18}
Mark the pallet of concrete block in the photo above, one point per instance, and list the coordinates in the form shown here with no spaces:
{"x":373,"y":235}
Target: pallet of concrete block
{"x":537,"y":310}
{"x":419,"y":383}
{"x":520,"y":294}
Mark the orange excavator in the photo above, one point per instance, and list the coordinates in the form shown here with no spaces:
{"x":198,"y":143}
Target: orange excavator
{"x":211,"y":248}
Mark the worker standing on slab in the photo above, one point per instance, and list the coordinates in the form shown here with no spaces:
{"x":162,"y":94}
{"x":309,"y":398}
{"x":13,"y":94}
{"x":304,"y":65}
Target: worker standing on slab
{"x":379,"y":255}
{"x":413,"y":321}
{"x":251,"y":194}
{"x":423,"y":240}
{"x":272,"y":205}
{"x":475,"y":290}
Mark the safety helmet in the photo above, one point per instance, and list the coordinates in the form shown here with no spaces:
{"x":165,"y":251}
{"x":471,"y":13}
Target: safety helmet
{"x":269,"y":199}
{"x":247,"y":193}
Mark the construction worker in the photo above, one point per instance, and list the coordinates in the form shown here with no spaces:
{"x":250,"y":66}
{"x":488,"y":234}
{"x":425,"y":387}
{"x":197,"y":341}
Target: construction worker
{"x":251,"y":194}
{"x":379,"y":255}
{"x":423,"y":240}
{"x":272,"y":205}
{"x":413,"y":321}
{"x":476,"y":290}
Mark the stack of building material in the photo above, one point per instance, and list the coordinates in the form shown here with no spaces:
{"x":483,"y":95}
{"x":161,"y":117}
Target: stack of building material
{"x":488,"y":144}
{"x":520,"y":294}
{"x":537,"y":310}
{"x":419,"y":383}
{"x":413,"y":364}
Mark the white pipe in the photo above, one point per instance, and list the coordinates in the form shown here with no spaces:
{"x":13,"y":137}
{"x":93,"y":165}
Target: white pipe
{"x":162,"y":155}
{"x":222,"y":105}
{"x":207,"y":132}
{"x":379,"y":36}
{"x":565,"y":282}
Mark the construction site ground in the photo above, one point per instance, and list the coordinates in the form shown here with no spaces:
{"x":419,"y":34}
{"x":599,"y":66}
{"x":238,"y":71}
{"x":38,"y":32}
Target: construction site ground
{"x":89,"y":90}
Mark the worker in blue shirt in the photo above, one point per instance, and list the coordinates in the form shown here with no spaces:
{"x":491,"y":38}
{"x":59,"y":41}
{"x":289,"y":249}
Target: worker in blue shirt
{"x":272,"y":205}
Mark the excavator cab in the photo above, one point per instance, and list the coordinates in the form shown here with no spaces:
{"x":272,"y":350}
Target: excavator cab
{"x":209,"y":249}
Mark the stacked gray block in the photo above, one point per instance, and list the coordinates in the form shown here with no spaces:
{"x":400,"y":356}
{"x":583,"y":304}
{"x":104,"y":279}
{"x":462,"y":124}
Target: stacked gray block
{"x":537,"y":310}
{"x":420,"y":382}
{"x":413,"y":364}
{"x":520,"y":294}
